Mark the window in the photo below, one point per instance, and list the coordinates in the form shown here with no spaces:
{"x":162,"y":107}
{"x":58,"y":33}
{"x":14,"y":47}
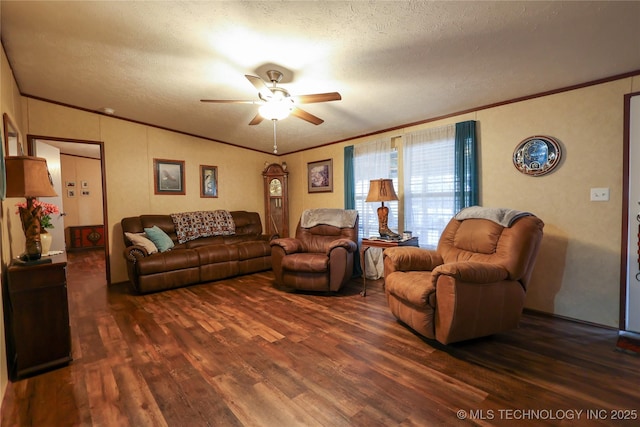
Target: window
{"x":429,"y":182}
{"x":438,"y":178}
{"x":374,"y":160}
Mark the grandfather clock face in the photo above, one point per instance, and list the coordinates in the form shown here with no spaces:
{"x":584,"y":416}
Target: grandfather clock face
{"x":275,"y":187}
{"x":276,"y":200}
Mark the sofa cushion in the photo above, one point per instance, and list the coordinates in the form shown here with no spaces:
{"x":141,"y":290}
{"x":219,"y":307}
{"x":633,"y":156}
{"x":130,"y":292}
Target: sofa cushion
{"x":159,"y":238}
{"x":205,"y":241}
{"x":413,"y":287}
{"x":181,"y":259}
{"x":467,"y":236}
{"x":163,"y":222}
{"x":213,"y":254}
{"x":142,"y":240}
{"x":306,"y":262}
{"x":253,"y":249}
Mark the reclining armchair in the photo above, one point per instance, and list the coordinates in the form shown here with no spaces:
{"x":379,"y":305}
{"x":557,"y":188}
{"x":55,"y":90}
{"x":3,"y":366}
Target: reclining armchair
{"x":320,"y":257}
{"x":474,"y":284}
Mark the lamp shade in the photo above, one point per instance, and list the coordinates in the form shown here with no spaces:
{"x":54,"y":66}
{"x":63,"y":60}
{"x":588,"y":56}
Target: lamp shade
{"x":381,"y":190}
{"x":28,"y":177}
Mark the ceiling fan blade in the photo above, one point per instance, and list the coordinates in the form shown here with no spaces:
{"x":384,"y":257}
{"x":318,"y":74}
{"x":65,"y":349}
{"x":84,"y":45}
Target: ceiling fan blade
{"x":256,"y":120}
{"x":259,"y":84}
{"x":318,"y":97}
{"x":230,"y":101}
{"x":306,"y":116}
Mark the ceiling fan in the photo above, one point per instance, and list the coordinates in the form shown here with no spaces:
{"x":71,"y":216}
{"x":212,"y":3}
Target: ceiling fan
{"x":276,"y":103}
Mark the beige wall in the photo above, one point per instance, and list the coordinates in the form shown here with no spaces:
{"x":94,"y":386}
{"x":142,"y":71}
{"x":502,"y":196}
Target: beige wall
{"x":577,"y":273}
{"x":81,"y":209}
{"x":129,"y":150}
{"x":10,"y":103}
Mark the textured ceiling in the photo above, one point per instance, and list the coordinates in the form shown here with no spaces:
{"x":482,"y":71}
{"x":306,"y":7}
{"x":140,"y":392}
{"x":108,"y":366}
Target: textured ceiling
{"x":394,"y":63}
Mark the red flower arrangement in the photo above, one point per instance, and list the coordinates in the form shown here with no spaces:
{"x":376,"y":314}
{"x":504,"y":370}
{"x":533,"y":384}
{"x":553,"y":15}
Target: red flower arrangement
{"x":47,"y":209}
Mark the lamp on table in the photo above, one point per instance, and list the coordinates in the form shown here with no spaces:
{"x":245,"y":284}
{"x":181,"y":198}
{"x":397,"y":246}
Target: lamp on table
{"x":29,"y":177}
{"x":381,"y":190}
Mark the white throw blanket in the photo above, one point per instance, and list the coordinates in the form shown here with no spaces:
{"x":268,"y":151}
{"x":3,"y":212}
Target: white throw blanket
{"x":503,"y":216}
{"x":341,"y":218}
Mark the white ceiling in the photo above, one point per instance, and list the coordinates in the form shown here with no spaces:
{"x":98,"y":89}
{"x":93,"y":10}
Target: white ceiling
{"x":394,"y":63}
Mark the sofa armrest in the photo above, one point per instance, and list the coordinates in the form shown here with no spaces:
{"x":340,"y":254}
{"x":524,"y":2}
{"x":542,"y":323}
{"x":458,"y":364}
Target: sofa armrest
{"x":410,"y":258}
{"x":134,"y":252}
{"x":471,"y":272}
{"x":347,"y":244}
{"x":288,"y":244}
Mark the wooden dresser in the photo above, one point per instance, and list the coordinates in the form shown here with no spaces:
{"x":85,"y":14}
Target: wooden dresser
{"x":85,"y":237}
{"x":36,"y":313}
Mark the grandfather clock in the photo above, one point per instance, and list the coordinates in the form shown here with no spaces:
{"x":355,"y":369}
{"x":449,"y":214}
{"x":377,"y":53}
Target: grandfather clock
{"x":276,"y":199}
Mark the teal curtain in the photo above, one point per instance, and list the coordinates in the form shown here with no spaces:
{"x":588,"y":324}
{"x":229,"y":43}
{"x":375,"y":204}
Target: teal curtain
{"x":350,"y":198}
{"x":349,"y":179}
{"x":466,"y":166}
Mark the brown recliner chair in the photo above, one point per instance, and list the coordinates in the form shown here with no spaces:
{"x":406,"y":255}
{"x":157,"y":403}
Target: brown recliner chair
{"x":473,"y":284}
{"x":320,"y":257}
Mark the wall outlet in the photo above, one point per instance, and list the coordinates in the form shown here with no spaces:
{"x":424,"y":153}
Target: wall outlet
{"x":600,"y":194}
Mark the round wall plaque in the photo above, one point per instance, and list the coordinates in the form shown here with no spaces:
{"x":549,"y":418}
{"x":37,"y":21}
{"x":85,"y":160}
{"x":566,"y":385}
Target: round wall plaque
{"x":537,"y":155}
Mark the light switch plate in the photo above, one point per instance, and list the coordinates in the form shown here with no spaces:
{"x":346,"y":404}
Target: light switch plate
{"x":600,"y":194}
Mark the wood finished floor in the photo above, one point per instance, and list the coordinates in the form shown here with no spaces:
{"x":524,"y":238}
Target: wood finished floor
{"x":241,"y":353}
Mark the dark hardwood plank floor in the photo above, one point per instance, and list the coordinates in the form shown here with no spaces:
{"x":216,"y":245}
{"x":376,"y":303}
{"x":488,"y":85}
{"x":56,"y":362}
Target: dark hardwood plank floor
{"x":242,"y":353}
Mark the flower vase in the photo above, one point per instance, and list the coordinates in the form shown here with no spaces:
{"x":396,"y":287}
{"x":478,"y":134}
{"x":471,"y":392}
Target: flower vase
{"x":45,"y":241}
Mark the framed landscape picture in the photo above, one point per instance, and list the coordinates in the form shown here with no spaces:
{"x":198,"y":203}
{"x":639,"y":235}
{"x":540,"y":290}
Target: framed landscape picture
{"x":320,"y":176}
{"x":208,"y":181}
{"x":168,"y":176}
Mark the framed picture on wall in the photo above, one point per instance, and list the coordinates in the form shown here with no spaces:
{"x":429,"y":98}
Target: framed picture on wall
{"x":12,"y":145}
{"x":320,"y":176}
{"x":71,"y":193}
{"x":168,"y":176}
{"x":208,"y":181}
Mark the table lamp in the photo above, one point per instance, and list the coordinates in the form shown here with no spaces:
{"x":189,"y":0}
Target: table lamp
{"x":29,"y":177}
{"x":381,"y":190}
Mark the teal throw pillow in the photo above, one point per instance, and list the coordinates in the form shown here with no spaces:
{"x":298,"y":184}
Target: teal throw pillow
{"x":159,"y":238}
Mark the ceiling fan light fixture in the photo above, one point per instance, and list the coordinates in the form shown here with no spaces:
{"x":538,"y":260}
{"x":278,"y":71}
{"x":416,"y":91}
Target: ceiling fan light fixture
{"x":276,"y":109}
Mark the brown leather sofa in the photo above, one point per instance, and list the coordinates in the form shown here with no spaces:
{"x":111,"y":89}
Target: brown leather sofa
{"x":204,"y":259}
{"x":473,"y":285}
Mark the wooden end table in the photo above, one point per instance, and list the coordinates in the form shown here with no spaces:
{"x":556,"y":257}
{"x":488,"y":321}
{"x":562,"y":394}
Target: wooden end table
{"x":379,"y":243}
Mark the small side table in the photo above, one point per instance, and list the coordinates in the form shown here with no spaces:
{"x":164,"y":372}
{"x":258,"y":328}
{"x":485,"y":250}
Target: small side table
{"x":379,"y":243}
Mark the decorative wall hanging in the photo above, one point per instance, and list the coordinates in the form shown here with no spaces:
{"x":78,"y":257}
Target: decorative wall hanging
{"x":208,"y":181}
{"x":320,"y":176}
{"x":537,"y":155}
{"x":168,"y":176}
{"x":12,"y":145}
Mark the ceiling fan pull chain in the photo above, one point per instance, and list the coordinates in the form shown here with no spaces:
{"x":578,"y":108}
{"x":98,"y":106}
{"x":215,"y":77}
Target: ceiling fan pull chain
{"x":275,"y":143}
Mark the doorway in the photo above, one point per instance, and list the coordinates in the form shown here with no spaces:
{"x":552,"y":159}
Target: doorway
{"x":630,"y":274}
{"x":77,"y":170}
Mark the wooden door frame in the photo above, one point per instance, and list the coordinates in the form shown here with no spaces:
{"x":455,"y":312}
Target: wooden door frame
{"x":30,"y":144}
{"x":624,"y":255}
